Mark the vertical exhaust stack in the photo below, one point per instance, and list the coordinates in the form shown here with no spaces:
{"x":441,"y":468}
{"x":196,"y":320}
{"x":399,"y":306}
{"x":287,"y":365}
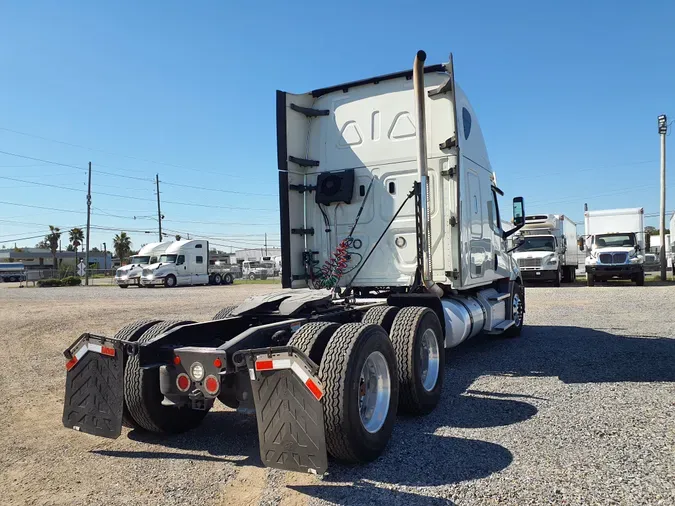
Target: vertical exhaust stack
{"x":423,"y":173}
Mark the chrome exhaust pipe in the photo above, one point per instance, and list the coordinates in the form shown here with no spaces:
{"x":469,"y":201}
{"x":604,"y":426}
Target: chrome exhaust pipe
{"x":423,"y":173}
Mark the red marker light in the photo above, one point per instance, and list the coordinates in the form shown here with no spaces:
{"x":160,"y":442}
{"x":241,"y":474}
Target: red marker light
{"x":183,"y":382}
{"x":218,"y":363}
{"x":211,"y":385}
{"x":176,"y":360}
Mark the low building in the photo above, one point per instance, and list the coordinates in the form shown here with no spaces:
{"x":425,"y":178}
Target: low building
{"x":257,"y":254}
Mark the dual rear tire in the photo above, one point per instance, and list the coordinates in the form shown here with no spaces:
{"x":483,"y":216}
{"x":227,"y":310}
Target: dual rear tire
{"x":368,"y":375}
{"x":143,"y":408}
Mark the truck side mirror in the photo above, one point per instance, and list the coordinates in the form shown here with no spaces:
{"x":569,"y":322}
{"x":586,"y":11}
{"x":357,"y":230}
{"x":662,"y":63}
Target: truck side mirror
{"x":580,"y":242}
{"x":648,"y":242}
{"x":518,"y":212}
{"x":518,"y":217}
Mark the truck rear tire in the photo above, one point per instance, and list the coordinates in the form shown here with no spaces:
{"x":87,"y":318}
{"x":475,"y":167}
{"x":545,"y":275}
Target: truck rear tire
{"x":170,"y":281}
{"x":217,"y":279}
{"x":381,"y":315}
{"x":123,"y":286}
{"x":590,"y":279}
{"x":144,"y":398}
{"x":227,"y":279}
{"x":132,"y":332}
{"x":419,"y":343}
{"x":224,"y":313}
{"x":358,"y":373}
{"x":312,"y":339}
{"x":558,"y":278}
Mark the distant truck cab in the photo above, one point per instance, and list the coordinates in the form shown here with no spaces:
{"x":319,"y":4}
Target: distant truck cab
{"x":615,"y":244}
{"x":130,"y":275}
{"x":547,"y":249}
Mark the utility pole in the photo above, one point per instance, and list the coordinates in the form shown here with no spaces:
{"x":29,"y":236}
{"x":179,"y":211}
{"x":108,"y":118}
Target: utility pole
{"x":159,"y":210}
{"x":663,"y":129}
{"x":86,"y":255}
{"x":265,"y":243}
{"x":105,"y":257}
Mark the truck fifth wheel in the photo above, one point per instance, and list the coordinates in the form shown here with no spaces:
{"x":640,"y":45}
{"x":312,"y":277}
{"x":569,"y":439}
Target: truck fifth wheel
{"x":393,"y":251}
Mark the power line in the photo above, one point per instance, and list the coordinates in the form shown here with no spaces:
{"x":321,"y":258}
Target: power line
{"x":22,"y":238}
{"x":118,"y":154}
{"x":45,"y":161}
{"x":117,"y":195}
{"x":220,"y":190}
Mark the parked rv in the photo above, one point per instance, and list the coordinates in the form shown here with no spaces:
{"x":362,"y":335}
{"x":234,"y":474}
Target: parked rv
{"x":614,"y":240}
{"x":547,"y":249}
{"x":186,"y":262}
{"x":130,"y":275}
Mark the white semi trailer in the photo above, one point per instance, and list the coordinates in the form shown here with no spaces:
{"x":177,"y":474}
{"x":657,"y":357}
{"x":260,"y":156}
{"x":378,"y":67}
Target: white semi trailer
{"x":615,"y":242}
{"x":130,"y":274}
{"x":548,"y":249}
{"x":393,"y":250}
{"x":186,"y":262}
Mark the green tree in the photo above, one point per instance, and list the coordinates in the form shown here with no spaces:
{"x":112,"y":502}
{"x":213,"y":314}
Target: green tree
{"x":52,"y":241}
{"x":76,"y":238}
{"x":178,"y":237}
{"x":122,"y":246}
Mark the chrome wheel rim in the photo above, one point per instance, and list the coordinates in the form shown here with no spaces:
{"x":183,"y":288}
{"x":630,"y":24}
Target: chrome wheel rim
{"x":430,"y":360}
{"x":517,"y":309}
{"x":374,"y":392}
{"x":169,"y":281}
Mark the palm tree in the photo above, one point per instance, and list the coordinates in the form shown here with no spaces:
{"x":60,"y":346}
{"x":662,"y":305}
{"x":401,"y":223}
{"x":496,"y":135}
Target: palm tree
{"x":52,"y":240}
{"x":76,"y":239}
{"x":122,"y":246}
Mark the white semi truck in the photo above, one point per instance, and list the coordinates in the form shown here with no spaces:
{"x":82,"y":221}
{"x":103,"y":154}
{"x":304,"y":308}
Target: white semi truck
{"x":615,"y":242}
{"x":130,"y":274}
{"x":186,"y":262}
{"x":393,"y":250}
{"x":548,"y":249}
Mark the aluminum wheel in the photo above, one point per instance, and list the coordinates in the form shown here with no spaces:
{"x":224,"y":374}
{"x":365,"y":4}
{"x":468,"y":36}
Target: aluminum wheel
{"x":430,"y":360}
{"x":517,"y":309}
{"x":374,"y":392}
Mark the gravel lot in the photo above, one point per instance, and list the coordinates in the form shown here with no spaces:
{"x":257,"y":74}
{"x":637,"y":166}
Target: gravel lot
{"x":579,"y":410}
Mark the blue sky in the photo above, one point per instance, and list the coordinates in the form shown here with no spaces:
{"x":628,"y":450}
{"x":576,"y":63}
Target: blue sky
{"x":567,"y":95}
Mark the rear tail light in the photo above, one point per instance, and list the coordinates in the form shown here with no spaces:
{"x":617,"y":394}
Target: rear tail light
{"x":183,"y":382}
{"x":211,"y":385}
{"x":218,"y":363}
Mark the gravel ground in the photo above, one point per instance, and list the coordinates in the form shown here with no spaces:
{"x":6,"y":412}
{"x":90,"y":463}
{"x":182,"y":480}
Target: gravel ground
{"x":579,"y":410}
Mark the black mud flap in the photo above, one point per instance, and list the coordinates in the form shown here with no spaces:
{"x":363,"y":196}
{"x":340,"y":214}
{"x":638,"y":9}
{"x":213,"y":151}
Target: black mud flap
{"x":95,"y":387}
{"x":289,"y":413}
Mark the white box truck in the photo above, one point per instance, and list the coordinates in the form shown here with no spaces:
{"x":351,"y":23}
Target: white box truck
{"x":393,"y":251}
{"x":186,"y":262}
{"x":548,"y":249}
{"x":615,"y":242}
{"x":130,"y":274}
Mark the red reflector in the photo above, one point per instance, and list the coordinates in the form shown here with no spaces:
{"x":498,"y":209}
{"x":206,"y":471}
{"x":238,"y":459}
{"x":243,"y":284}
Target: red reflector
{"x":264,"y":365}
{"x":314,"y":389}
{"x":183,"y":382}
{"x":218,"y":363}
{"x":107,"y":351}
{"x":71,"y":363}
{"x":211,"y":384}
{"x":176,"y":360}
